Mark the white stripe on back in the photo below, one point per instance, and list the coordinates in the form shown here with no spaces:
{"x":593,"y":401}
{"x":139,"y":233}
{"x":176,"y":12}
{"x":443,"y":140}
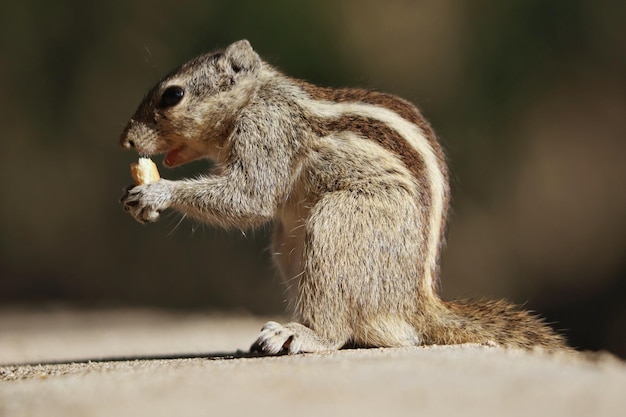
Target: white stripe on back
{"x":414,"y":136}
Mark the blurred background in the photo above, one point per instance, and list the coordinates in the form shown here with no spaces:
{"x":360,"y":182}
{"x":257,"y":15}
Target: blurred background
{"x":527,"y":96}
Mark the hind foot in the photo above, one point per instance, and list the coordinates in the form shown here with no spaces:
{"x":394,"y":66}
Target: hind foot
{"x":290,"y":338}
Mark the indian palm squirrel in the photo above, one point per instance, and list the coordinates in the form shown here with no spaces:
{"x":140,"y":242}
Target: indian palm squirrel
{"x":356,"y":185}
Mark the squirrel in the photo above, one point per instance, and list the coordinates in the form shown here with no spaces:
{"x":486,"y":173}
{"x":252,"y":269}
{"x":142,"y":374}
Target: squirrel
{"x":356,"y":184}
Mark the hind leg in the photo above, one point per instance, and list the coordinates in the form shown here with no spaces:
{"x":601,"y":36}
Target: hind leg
{"x":359,"y":276}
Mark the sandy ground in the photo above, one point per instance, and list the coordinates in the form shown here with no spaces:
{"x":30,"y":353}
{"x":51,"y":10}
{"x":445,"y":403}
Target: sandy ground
{"x":143,"y":363}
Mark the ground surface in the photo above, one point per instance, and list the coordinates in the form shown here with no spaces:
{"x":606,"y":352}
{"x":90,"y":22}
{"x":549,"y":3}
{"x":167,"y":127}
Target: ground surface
{"x":141,"y":363}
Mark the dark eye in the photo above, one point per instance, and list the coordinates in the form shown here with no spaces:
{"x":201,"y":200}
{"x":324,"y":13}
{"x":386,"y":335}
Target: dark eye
{"x":171,"y":96}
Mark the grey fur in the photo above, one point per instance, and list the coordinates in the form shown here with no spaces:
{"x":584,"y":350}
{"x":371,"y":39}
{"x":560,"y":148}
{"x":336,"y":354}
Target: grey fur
{"x":350,"y":198}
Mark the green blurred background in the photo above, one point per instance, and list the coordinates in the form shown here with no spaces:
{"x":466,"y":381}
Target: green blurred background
{"x":527,"y":96}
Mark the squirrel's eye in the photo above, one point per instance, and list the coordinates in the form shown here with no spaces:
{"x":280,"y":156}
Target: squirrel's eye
{"x":171,"y":96}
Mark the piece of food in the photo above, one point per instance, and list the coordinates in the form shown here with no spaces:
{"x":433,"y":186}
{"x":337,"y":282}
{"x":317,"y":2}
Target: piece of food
{"x":144,"y":171}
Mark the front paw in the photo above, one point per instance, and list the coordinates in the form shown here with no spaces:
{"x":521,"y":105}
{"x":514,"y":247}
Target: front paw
{"x":146,"y":202}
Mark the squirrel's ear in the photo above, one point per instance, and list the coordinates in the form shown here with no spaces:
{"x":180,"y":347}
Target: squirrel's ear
{"x":242,"y":57}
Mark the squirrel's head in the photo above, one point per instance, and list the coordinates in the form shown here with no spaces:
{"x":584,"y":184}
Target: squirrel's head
{"x":191,"y":112}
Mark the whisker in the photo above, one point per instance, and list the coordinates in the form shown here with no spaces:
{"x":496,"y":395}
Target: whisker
{"x":177,"y":225}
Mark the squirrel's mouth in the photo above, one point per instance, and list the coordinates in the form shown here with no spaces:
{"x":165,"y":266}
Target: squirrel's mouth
{"x":180,"y":155}
{"x":175,"y":157}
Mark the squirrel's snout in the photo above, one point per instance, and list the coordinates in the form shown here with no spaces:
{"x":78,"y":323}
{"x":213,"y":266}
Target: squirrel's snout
{"x":125,"y":142}
{"x":139,"y":137}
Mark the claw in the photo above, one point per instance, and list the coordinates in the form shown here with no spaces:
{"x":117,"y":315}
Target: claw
{"x":146,"y":202}
{"x":274,"y":339}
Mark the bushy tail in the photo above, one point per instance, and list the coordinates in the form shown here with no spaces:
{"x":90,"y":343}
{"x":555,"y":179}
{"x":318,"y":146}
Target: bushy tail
{"x":488,"y":322}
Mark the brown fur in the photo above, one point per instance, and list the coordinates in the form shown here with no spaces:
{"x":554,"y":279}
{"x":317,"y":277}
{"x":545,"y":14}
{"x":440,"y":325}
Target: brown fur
{"x":353,"y":181}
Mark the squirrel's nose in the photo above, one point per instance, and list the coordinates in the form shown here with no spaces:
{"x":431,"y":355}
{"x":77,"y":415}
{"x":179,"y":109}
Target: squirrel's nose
{"x":125,"y":142}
